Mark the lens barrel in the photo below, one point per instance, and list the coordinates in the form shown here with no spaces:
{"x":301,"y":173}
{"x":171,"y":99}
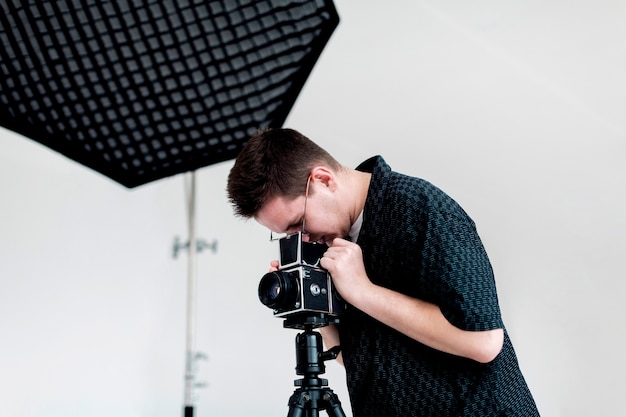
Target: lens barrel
{"x":279,"y":290}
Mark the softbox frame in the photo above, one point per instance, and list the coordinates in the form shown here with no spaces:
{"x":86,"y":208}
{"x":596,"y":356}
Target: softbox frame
{"x":140,"y":90}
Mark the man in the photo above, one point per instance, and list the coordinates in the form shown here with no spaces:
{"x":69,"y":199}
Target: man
{"x":422,"y":334}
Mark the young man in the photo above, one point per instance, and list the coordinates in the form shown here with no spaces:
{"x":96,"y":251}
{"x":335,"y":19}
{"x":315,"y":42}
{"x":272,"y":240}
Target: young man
{"x":422,"y":334}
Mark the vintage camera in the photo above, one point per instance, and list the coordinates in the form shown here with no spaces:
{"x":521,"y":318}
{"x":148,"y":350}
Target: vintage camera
{"x":300,"y":286}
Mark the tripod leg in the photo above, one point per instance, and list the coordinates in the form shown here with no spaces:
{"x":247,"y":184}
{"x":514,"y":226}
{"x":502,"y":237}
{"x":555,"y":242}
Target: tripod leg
{"x":334,"y":405}
{"x":297,"y":404}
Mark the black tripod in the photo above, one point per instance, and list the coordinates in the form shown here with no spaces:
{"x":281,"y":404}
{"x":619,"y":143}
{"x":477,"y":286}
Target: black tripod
{"x":313,"y":393}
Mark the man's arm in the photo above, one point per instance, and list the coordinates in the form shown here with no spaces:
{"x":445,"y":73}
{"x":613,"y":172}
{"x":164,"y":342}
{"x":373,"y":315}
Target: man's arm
{"x":426,"y":323}
{"x":420,"y":320}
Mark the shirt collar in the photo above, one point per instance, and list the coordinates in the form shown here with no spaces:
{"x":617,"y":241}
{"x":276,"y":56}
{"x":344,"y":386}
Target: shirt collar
{"x":356,"y":228}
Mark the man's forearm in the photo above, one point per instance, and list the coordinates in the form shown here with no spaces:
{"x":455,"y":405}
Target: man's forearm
{"x":424,"y":322}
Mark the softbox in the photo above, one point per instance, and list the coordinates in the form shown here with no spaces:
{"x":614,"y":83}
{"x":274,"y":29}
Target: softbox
{"x":139,"y":90}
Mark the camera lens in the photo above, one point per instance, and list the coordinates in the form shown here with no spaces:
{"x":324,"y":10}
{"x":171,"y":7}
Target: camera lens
{"x":279,"y":290}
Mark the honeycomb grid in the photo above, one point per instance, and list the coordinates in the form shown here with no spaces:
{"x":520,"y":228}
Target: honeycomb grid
{"x":141,"y":90}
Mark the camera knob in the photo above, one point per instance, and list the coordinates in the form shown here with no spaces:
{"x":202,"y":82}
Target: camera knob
{"x":315,"y":289}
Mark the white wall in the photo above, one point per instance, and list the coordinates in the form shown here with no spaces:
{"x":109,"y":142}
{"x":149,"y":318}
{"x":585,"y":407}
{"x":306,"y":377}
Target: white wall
{"x":517,"y":109}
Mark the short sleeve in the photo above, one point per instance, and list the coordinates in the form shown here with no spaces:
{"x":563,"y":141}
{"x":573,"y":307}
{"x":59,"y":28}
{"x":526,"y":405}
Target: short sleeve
{"x":459,"y":272}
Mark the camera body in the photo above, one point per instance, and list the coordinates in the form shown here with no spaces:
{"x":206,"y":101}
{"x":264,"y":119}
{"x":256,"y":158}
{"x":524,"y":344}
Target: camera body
{"x":300,"y":286}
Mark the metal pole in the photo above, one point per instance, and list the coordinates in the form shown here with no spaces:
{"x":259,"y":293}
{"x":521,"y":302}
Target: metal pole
{"x":191,"y":297}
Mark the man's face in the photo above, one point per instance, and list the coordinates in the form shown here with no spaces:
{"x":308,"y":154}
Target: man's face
{"x":324,"y":218}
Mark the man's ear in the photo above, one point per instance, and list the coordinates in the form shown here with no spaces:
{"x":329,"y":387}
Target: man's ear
{"x":324,"y":176}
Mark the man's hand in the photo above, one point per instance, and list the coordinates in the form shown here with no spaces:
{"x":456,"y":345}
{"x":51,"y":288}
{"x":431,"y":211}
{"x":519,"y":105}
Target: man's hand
{"x":344,"y":261}
{"x":274,"y":266}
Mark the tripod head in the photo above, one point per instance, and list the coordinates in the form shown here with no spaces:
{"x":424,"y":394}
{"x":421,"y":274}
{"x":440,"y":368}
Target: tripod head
{"x":313,"y":393}
{"x":309,"y":346}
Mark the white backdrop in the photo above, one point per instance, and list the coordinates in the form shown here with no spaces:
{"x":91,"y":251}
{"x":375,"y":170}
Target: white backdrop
{"x":517,"y":109}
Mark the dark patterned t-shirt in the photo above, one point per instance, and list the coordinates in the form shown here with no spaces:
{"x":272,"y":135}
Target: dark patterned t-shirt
{"x":418,"y":241}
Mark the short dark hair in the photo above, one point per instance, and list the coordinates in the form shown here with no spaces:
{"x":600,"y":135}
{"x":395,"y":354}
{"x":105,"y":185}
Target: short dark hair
{"x":274,"y":163}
